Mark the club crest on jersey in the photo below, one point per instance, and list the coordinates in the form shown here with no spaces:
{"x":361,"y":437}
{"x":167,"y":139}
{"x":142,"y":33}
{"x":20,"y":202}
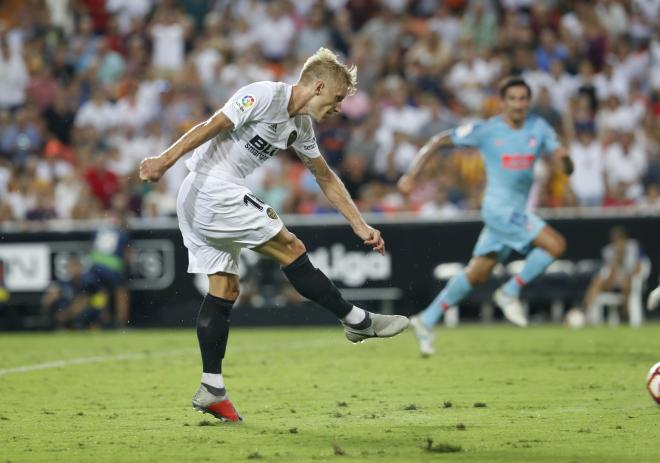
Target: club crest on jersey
{"x":244,"y":103}
{"x":271,"y":213}
{"x":531,"y":141}
{"x":292,"y":138}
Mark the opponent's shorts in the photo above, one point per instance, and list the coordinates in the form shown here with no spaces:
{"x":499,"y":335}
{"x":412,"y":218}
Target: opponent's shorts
{"x":217,"y":218}
{"x":507,"y":229}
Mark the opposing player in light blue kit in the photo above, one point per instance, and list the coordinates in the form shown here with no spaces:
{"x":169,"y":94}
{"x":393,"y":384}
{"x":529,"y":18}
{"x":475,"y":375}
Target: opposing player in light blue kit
{"x":510,"y":143}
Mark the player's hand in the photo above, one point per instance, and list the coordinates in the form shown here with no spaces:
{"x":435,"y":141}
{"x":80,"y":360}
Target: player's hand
{"x":567,"y":165}
{"x":152,"y":169}
{"x":406,"y":185}
{"x":371,"y":237}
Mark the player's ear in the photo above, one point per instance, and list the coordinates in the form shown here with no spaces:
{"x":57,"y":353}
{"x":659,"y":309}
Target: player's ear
{"x":318,"y":86}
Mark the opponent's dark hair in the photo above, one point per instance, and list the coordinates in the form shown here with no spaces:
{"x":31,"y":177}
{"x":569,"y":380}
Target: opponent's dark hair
{"x":514,"y":81}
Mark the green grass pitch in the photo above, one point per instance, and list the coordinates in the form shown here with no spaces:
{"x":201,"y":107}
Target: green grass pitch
{"x":492,"y":394}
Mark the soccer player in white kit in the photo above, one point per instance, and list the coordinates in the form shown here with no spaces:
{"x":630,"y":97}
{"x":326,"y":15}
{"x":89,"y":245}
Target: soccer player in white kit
{"x":218,"y":215}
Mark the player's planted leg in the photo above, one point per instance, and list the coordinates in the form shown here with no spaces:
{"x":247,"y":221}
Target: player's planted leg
{"x":214,"y":401}
{"x":511,"y":307}
{"x":549,"y":246}
{"x":507,"y":297}
{"x":424,"y":322}
{"x":212,"y":334}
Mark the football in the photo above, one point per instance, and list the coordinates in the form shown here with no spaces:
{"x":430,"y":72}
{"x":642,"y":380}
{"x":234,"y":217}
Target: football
{"x":575,"y":318}
{"x":653,"y":382}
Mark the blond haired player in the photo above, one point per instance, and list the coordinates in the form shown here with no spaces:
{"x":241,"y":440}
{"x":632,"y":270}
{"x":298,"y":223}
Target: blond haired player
{"x":218,"y":215}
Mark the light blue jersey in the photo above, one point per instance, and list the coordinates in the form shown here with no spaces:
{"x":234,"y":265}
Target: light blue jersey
{"x":509,"y":155}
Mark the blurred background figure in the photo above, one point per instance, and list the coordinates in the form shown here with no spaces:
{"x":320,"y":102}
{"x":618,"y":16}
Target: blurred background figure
{"x":588,"y":179}
{"x":622,"y":262}
{"x":109,"y":260}
{"x":75,"y":302}
{"x":6,"y":316}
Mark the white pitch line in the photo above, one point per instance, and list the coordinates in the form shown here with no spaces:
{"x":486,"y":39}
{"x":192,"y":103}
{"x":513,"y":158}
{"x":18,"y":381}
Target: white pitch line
{"x":143,"y":355}
{"x":93,"y":359}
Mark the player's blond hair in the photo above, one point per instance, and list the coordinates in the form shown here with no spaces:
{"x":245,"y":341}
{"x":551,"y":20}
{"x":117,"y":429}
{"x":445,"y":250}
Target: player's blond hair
{"x":324,"y":64}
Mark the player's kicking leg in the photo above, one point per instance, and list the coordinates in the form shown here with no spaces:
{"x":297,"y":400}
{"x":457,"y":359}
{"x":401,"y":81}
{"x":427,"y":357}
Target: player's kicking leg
{"x":312,"y":283}
{"x":459,"y":286}
{"x":212,"y":334}
{"x":548,"y":246}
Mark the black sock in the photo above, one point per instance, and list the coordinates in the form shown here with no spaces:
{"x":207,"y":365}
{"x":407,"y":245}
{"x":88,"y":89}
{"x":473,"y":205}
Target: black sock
{"x":315,"y":286}
{"x":213,"y":331}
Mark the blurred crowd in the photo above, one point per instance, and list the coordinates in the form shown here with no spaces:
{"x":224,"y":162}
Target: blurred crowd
{"x":88,"y":88}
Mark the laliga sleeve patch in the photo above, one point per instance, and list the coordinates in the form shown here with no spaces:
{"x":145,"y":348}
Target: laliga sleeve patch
{"x":464,"y":130}
{"x":244,"y":103}
{"x":310,"y":146}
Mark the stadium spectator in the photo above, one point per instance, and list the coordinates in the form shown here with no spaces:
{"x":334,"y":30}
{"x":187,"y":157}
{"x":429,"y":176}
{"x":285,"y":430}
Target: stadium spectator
{"x":159,"y":202}
{"x":169,"y":30}
{"x":7,"y":315}
{"x":127,"y":11}
{"x":130,"y":110}
{"x":103,"y":182}
{"x":74,"y":302}
{"x":383,"y":30}
{"x":439,"y":207}
{"x":59,"y":117}
{"x":314,"y":34}
{"x":561,"y":85}
{"x":588,"y":179}
{"x":544,"y":107}
{"x":109,"y":260}
{"x":621,"y":260}
{"x":276,"y":32}
{"x":549,"y":50}
{"x":613,"y":16}
{"x":43,"y":208}
{"x":625,"y":164}
{"x":97,"y":113}
{"x":21,"y":137}
{"x":14,"y":75}
{"x":67,"y":193}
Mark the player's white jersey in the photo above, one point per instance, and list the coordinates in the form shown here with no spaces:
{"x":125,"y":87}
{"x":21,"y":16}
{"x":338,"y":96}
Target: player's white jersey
{"x":262,"y":127}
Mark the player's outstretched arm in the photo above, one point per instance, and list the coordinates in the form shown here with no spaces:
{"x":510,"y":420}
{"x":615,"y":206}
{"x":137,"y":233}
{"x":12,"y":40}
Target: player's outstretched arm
{"x":153,"y":168}
{"x":336,"y":192}
{"x":407,"y":181}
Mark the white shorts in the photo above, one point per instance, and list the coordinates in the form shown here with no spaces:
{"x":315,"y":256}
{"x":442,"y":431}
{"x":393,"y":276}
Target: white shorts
{"x":219,"y":217}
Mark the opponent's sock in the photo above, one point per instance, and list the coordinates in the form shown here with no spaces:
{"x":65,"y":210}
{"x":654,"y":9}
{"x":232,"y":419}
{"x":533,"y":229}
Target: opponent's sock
{"x":537,"y":261}
{"x":355,"y":316}
{"x":212,"y":379}
{"x":213,"y":332}
{"x":454,"y":292}
{"x":315,"y":286}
